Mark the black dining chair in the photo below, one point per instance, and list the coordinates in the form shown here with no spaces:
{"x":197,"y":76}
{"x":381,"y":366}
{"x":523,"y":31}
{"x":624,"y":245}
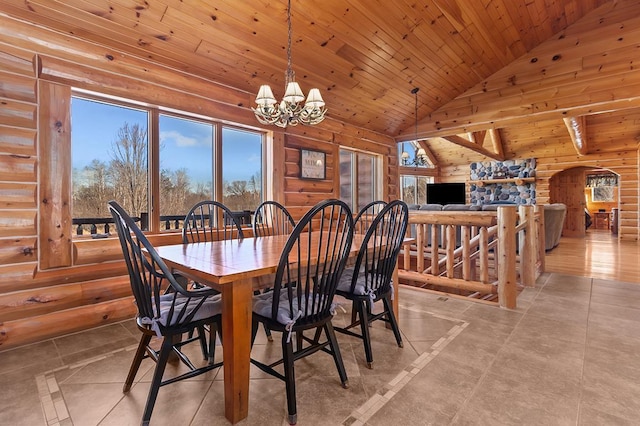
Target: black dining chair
{"x":210,"y":221}
{"x":166,"y":310}
{"x":369,"y":280}
{"x":302,"y":295}
{"x":272,"y":218}
{"x":365,"y":216}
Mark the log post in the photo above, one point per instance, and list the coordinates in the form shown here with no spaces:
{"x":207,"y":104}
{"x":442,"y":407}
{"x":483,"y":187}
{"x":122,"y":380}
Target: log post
{"x":484,"y":255}
{"x":528,"y":252}
{"x":420,"y":243}
{"x":542,"y":243}
{"x":507,"y":291}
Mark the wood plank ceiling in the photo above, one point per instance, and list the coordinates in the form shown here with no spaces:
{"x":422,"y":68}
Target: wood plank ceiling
{"x":364,"y":55}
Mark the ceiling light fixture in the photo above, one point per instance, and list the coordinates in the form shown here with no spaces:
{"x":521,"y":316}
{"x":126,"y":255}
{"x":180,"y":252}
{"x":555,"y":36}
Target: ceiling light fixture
{"x":290,"y":111}
{"x":420,"y":157}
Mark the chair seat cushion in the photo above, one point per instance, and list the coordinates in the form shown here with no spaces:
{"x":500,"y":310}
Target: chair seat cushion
{"x":345,"y":283}
{"x":263,"y":306}
{"x":184,"y":306}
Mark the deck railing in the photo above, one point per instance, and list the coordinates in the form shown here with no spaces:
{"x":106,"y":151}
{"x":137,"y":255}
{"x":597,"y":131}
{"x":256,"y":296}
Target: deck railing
{"x":484,"y":254}
{"x":169,"y":222}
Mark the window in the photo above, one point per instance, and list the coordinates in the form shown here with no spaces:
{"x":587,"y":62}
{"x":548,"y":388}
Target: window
{"x":186,"y":164}
{"x":414,"y":188}
{"x":411,"y":154}
{"x":109,"y":145}
{"x":113,"y":143}
{"x":359,"y":178}
{"x":241,"y":169}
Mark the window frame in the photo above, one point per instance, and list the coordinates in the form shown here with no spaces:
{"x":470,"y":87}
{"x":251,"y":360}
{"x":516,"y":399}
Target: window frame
{"x":377,"y":178}
{"x":153,"y":151}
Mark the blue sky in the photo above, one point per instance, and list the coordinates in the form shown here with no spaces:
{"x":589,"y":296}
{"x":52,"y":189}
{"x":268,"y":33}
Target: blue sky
{"x":185,"y":143}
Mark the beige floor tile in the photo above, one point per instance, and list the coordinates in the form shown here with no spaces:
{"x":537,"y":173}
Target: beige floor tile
{"x":445,"y":384}
{"x":591,"y":417}
{"x":89,"y":403}
{"x":609,"y":393}
{"x":504,"y":400}
{"x":20,"y":400}
{"x":567,"y":355}
{"x":31,"y":357}
{"x":100,"y":337}
{"x":553,"y":329}
{"x":176,"y":404}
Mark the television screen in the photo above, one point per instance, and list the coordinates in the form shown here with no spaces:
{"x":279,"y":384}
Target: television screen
{"x":446,"y":193}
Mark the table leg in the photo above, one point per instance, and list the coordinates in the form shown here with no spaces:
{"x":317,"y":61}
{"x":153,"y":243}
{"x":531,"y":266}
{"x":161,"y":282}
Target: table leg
{"x":236,"y":347}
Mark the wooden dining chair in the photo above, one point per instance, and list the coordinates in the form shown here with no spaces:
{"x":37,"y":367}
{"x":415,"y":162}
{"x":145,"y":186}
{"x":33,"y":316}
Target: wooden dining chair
{"x":302,"y":296}
{"x":366,"y":215}
{"x":272,"y":218}
{"x":210,"y":221}
{"x":166,"y":309}
{"x":369,"y":280}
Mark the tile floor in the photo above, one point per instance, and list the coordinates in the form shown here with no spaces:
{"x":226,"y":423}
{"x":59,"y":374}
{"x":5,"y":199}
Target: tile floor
{"x":568,"y":355}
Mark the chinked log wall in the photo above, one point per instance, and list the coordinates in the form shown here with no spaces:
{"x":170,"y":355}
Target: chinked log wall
{"x":52,"y":284}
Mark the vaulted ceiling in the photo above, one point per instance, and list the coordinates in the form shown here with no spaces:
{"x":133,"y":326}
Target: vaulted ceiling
{"x":365,"y":55}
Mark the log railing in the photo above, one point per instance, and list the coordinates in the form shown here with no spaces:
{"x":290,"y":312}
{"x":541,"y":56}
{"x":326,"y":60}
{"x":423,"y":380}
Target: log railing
{"x":481,"y":254}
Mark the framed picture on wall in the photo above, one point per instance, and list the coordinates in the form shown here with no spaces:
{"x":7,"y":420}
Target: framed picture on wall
{"x":312,"y":164}
{"x":602,"y":193}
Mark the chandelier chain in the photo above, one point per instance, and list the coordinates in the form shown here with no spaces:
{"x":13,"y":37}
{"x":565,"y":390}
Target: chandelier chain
{"x":289,"y":75}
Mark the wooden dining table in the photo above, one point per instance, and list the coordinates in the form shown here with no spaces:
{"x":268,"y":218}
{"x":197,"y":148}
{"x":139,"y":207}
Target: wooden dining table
{"x":235,"y":268}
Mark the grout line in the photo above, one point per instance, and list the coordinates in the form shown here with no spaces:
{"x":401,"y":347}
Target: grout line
{"x":584,"y":355}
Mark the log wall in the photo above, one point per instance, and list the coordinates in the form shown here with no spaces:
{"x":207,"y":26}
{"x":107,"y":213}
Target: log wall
{"x":625,"y":164}
{"x":52,"y":284}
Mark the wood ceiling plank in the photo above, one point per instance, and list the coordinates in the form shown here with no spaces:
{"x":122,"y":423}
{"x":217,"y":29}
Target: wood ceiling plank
{"x":366,"y":56}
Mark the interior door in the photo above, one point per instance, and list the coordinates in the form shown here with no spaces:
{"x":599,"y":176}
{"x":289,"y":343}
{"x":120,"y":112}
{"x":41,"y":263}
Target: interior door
{"x":568,"y":187}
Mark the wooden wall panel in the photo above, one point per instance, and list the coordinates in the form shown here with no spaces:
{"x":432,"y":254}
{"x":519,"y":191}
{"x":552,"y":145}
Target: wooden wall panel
{"x":17,"y":223}
{"x":17,"y":87}
{"x":34,"y":329}
{"x":18,"y":141}
{"x":16,"y":60}
{"x":17,"y":250}
{"x":18,"y":195}
{"x":45,"y":300}
{"x":18,"y":114}
{"x":18,"y":168}
{"x":23,"y":276}
{"x":55,"y":171}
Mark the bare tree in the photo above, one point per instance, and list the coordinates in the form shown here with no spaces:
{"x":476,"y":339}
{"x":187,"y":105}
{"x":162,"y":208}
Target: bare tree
{"x":174,"y":191}
{"x":128,"y":167}
{"x":93,"y":190}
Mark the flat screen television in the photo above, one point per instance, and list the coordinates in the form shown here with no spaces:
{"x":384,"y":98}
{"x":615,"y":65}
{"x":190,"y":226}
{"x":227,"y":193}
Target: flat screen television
{"x":446,"y":193}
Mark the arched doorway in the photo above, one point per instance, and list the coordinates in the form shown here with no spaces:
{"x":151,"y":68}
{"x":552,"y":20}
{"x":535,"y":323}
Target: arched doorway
{"x":568,"y":187}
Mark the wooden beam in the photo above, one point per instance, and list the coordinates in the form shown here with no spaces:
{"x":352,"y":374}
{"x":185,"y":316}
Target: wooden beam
{"x":430,"y":155}
{"x":578,"y":132}
{"x":496,"y":142}
{"x":472,"y":146}
{"x":478,"y":137}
